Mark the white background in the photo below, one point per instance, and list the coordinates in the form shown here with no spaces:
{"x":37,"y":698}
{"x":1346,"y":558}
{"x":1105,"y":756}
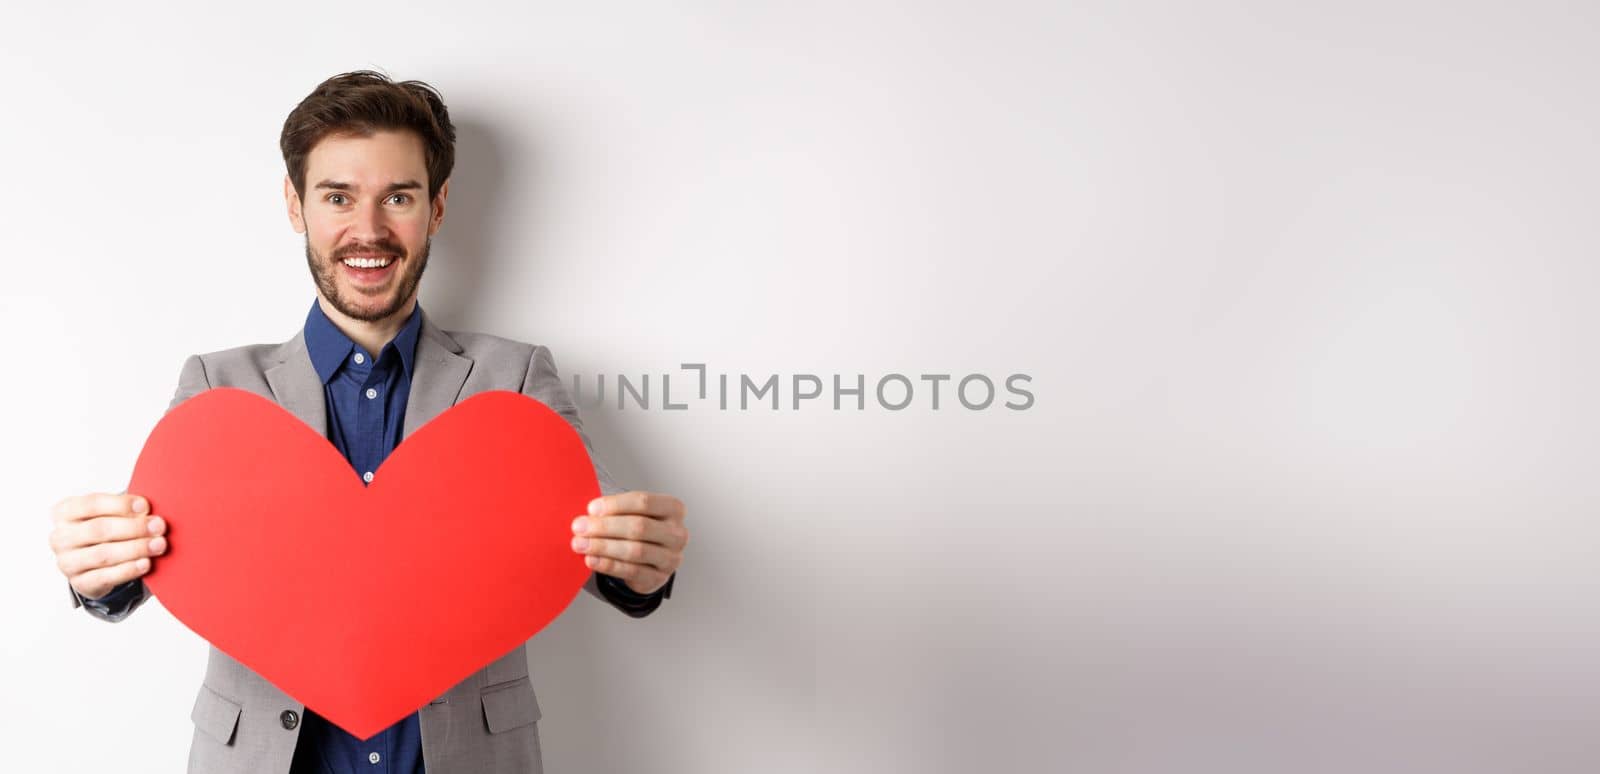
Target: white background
{"x":1305,"y":290}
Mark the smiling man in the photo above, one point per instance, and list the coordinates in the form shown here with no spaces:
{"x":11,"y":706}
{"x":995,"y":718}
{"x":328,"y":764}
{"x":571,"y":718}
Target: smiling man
{"x":368,"y":167}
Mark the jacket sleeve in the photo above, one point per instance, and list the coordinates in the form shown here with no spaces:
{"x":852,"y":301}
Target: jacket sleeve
{"x":543,"y":384}
{"x":126,"y":598}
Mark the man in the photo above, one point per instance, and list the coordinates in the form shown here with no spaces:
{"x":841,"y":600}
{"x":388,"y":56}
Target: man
{"x":369,"y":162}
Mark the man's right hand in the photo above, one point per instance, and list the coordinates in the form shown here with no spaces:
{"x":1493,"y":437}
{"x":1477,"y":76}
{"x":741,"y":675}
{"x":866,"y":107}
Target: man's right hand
{"x":104,"y":540}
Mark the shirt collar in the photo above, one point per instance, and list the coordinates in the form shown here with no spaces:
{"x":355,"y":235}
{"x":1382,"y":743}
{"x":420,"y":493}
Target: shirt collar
{"x":328,"y":346}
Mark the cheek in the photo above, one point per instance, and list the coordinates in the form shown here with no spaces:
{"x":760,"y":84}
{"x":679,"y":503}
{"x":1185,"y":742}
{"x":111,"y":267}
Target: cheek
{"x":323,"y":239}
{"x":413,"y":233}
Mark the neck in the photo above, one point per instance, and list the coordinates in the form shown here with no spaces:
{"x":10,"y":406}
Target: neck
{"x":372,"y":336}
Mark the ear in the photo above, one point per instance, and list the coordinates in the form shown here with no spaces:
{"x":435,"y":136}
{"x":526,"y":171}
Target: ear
{"x":438,"y":209}
{"x":292,"y":201}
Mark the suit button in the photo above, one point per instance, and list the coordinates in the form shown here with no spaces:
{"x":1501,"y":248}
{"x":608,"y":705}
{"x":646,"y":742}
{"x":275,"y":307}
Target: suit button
{"x":289,"y":719}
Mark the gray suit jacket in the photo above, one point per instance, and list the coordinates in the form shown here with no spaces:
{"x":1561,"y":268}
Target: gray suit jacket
{"x":486,"y":723}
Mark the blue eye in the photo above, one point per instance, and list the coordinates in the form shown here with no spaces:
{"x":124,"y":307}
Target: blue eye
{"x":406,"y":197}
{"x":331,"y":198}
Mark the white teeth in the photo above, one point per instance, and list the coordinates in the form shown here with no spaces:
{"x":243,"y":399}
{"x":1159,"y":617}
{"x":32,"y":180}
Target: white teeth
{"x":368,"y":263}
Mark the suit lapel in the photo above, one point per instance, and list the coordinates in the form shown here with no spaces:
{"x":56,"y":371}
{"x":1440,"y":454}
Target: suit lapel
{"x":295,"y":384}
{"x":437,"y":376}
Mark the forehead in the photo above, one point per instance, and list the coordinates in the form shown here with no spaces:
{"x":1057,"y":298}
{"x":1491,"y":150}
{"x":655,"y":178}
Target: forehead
{"x":378,"y":159}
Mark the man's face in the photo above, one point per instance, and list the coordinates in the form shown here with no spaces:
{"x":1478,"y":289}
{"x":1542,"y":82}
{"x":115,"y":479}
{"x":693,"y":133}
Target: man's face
{"x":367,"y":220}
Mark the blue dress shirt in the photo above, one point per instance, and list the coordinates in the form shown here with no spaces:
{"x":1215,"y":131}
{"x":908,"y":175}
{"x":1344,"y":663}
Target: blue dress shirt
{"x":366,"y":399}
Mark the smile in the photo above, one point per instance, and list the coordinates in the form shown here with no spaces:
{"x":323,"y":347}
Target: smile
{"x":355,"y":262}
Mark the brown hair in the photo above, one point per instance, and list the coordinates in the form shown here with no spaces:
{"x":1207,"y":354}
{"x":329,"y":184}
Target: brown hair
{"x":360,"y":103}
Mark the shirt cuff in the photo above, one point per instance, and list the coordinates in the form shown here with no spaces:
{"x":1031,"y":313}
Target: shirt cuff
{"x":629,"y":600}
{"x":115,"y":600}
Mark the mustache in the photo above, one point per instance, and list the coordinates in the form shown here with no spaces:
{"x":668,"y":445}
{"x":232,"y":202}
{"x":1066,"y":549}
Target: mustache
{"x":376,"y":247}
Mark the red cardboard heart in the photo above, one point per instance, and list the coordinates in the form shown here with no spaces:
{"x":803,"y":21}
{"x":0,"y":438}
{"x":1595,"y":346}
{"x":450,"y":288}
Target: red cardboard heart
{"x":365,"y":602}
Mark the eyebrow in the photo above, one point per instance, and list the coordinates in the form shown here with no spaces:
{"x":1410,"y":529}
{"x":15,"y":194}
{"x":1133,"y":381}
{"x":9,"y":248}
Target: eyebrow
{"x":335,"y":185}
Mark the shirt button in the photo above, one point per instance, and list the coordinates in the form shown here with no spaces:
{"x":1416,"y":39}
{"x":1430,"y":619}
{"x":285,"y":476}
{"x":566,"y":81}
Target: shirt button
{"x":367,"y":476}
{"x":371,"y":393}
{"x":360,"y":358}
{"x":289,"y":719}
{"x":373,"y":758}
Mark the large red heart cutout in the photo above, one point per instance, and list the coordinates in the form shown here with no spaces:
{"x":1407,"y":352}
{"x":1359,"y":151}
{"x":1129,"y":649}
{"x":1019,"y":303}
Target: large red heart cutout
{"x":364,"y":602}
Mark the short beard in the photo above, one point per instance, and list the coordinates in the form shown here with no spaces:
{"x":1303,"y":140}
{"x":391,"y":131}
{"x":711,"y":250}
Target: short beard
{"x":322,"y":272}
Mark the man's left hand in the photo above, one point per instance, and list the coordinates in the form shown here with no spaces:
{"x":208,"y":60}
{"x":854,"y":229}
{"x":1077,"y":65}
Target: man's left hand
{"x":636,"y":537}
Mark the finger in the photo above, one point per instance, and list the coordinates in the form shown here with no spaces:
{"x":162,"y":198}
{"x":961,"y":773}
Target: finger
{"x":637,"y":576}
{"x":98,"y":583}
{"x":106,"y":529}
{"x":628,"y":551}
{"x":82,"y":507}
{"x":661,"y":506}
{"x":81,"y":560}
{"x":629,"y":527}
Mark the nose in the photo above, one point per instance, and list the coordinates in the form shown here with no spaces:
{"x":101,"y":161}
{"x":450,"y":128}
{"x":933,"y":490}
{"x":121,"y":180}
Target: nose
{"x":370,"y":223}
